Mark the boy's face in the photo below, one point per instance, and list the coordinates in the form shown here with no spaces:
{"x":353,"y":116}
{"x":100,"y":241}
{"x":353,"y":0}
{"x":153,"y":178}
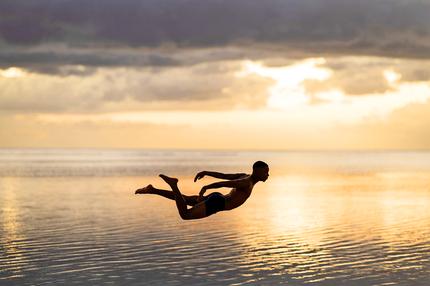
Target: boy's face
{"x":262,"y":173}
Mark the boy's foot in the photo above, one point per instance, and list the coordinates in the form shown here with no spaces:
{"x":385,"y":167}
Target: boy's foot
{"x":144,"y":190}
{"x":169,"y":180}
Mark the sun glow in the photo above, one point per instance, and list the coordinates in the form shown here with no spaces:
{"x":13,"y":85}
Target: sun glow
{"x":391,"y":76}
{"x":288,"y":92}
{"x":333,"y":105}
{"x":12,"y":72}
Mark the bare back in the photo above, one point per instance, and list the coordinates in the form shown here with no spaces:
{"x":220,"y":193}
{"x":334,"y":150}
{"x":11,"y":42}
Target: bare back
{"x":238,"y":196}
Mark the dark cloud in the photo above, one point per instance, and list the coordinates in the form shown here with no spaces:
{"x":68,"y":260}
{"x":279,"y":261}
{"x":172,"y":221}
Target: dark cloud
{"x":394,"y":28}
{"x":50,"y":58}
{"x":50,"y":61}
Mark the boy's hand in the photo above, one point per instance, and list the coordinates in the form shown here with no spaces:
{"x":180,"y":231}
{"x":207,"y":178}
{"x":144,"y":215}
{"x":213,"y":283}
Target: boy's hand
{"x":203,"y":190}
{"x":200,"y":175}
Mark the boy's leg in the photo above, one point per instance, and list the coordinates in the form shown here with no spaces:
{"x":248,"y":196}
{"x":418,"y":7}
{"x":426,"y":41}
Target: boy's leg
{"x":197,"y":211}
{"x":190,"y":200}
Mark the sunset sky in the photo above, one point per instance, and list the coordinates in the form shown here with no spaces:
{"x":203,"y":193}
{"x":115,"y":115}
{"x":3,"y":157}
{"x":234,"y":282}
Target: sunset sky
{"x":234,"y":74}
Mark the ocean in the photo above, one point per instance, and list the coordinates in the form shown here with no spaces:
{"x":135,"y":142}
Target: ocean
{"x":70,"y":216}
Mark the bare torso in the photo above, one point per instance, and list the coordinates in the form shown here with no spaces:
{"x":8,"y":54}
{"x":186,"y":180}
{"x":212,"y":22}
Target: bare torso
{"x":238,"y":196}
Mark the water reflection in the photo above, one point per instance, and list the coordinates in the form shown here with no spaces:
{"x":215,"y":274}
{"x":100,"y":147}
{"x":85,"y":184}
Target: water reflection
{"x":318,"y":227}
{"x":11,"y":237}
{"x":297,"y":228}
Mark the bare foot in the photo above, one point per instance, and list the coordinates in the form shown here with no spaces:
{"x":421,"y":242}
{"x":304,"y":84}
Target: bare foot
{"x":144,"y":190}
{"x":169,"y":180}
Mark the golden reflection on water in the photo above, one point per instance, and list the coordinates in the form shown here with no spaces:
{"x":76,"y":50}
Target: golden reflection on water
{"x":307,"y":226}
{"x":334,"y":203}
{"x":11,"y":233}
{"x":312,"y":211}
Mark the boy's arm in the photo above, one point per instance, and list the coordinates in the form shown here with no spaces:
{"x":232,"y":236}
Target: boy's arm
{"x":218,"y":175}
{"x":225,"y":184}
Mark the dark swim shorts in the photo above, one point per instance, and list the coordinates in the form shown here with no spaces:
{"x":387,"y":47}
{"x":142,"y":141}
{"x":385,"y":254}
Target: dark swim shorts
{"x":215,"y":202}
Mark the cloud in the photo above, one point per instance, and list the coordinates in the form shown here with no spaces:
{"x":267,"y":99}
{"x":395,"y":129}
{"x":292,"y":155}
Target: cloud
{"x":217,"y":85}
{"x":361,"y":76}
{"x":29,"y":131}
{"x":114,"y":33}
{"x":404,"y":128}
{"x":205,"y":86}
{"x":50,"y":61}
{"x":50,"y":58}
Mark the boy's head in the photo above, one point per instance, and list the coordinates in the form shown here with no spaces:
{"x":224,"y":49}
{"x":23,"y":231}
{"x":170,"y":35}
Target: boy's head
{"x":260,"y":170}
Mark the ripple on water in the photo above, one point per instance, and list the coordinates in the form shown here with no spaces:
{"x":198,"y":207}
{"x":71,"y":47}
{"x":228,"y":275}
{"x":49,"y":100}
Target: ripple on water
{"x":107,"y":237}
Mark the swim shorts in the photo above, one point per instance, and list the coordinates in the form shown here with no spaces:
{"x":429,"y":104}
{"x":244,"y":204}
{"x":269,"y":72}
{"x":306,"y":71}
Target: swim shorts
{"x":215,"y":202}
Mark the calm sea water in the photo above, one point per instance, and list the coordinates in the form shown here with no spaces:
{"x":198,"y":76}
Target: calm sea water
{"x":322,"y":218}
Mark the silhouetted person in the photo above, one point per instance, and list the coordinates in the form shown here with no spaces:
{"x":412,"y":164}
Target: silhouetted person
{"x":203,"y":206}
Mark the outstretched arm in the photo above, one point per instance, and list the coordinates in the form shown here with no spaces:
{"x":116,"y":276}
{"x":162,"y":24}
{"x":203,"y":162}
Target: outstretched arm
{"x":218,"y":175}
{"x":225,"y":184}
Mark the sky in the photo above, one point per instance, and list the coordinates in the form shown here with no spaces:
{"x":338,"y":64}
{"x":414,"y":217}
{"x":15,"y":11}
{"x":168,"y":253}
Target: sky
{"x":215,"y":74}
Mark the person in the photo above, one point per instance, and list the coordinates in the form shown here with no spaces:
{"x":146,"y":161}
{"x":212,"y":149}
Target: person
{"x":204,"y":206}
